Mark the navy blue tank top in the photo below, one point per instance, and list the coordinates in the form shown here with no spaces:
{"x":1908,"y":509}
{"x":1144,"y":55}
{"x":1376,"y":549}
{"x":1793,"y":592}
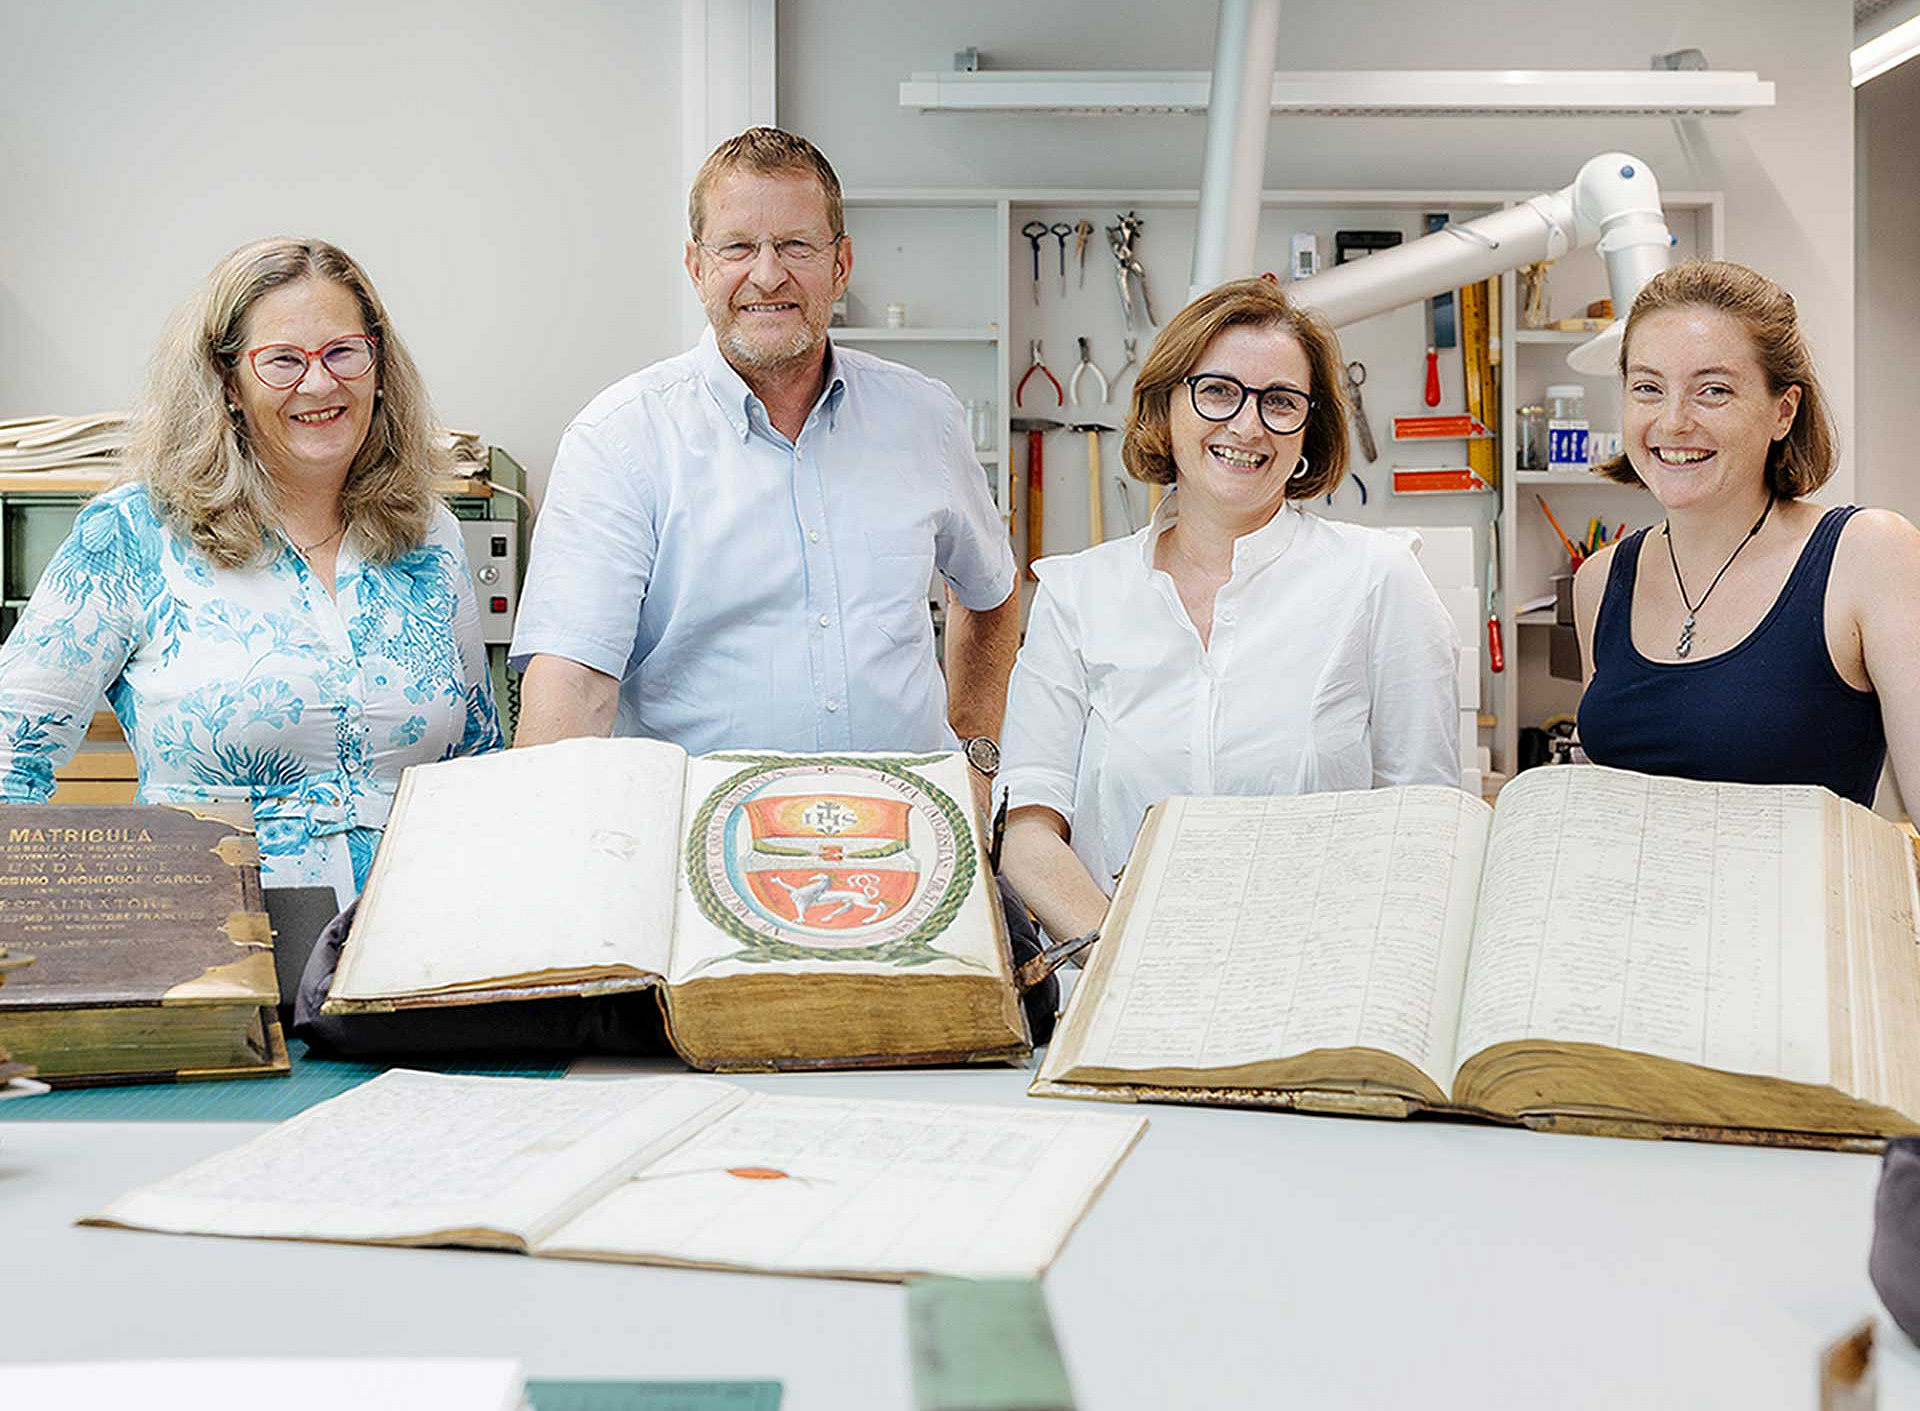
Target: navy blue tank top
{"x":1771,"y":710}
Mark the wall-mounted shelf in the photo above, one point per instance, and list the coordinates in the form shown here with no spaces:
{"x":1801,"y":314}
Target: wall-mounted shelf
{"x":1553,"y":335}
{"x":1374,"y":93}
{"x":1569,"y":479}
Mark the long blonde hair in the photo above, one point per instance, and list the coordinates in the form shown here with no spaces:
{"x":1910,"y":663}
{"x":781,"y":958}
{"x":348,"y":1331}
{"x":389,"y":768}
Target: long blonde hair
{"x":194,"y":454}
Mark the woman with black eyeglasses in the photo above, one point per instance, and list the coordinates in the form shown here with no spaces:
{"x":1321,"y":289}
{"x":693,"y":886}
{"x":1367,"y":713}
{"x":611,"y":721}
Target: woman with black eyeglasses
{"x":276,"y":605}
{"x":1237,"y":645}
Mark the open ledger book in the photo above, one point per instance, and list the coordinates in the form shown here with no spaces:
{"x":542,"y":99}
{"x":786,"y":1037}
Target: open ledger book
{"x":1606,"y":951}
{"x":687,"y":1171}
{"x":794,"y":910}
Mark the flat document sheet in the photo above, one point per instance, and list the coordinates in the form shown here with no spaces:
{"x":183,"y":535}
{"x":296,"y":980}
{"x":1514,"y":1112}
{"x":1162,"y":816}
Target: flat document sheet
{"x":677,"y":1171}
{"x":284,"y":1384}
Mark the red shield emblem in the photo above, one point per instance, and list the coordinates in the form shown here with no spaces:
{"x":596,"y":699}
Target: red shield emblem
{"x":830,"y":861}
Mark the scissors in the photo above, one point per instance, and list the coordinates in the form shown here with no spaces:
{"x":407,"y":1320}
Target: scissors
{"x":1356,"y":379}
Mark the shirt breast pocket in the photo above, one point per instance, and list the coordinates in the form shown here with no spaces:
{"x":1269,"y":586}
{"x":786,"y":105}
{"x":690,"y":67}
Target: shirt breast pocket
{"x":899,"y":579}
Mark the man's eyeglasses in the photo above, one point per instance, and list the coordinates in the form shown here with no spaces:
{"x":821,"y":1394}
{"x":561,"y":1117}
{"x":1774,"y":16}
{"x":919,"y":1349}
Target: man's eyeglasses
{"x":282,"y":365}
{"x":1218,"y":397}
{"x":791,"y":253}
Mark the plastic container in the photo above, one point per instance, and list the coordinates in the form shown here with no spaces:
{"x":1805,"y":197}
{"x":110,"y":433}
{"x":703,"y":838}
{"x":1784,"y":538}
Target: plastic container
{"x":1566,"y":426}
{"x":1533,"y":437}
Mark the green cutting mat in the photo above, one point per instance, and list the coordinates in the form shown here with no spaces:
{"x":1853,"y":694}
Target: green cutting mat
{"x":654,"y":1396}
{"x":312,"y":1080}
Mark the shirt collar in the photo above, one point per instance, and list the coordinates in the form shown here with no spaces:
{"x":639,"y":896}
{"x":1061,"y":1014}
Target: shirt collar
{"x":737,"y":401}
{"x":1250,"y":551}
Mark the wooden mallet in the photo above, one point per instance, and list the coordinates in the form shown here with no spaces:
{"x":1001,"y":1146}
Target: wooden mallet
{"x":1096,"y":531}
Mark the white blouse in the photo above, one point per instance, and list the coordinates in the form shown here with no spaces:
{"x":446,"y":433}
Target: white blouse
{"x":1331,"y":666}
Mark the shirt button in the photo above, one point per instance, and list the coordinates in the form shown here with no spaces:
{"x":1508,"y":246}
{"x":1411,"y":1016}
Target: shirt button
{"x":353,"y":766}
{"x":833,"y":705}
{"x":825,"y":620}
{"x":813,"y":536}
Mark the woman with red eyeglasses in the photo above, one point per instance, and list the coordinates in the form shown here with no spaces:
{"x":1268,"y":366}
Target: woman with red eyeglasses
{"x":275,"y":604}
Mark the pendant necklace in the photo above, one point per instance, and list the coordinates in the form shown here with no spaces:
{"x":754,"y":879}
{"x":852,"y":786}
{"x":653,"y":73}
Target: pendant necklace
{"x":1685,"y":644}
{"x":306,"y":549}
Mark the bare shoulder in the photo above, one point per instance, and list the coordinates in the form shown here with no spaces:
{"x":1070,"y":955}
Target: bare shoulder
{"x":1881,"y":540}
{"x":1876,"y":562}
{"x":1590,"y":579}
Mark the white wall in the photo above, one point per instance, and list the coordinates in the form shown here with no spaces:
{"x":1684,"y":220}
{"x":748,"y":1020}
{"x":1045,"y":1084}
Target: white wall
{"x":1887,"y":114}
{"x":1787,"y":172}
{"x":507,"y":173}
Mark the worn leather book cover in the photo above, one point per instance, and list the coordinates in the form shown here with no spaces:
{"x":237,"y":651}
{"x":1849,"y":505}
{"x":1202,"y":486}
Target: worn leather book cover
{"x":151,"y":948}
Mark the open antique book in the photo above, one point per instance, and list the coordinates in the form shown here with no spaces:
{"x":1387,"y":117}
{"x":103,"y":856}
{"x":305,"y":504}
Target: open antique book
{"x":687,"y":1171}
{"x":1606,"y":951}
{"x":794,"y":910}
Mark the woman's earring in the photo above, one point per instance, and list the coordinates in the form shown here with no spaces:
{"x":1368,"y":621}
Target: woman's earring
{"x":1300,"y":470}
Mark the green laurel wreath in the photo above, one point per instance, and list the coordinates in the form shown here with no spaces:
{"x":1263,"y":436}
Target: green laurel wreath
{"x":914,"y":948}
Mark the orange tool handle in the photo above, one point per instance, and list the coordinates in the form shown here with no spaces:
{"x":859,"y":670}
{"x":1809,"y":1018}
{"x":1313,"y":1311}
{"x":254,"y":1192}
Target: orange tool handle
{"x":1036,"y":520}
{"x":1433,"y":378}
{"x":1496,"y":654}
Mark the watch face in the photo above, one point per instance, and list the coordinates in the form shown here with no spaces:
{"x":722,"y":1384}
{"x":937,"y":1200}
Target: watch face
{"x":983,"y":754}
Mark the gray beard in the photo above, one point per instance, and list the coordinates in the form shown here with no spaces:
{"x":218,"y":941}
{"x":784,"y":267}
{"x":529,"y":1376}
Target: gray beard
{"x":743,"y":353}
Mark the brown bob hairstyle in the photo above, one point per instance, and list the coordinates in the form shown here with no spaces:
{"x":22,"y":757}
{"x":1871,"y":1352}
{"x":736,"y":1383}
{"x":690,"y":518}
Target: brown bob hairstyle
{"x":1799,"y":462}
{"x":1147,"y":450}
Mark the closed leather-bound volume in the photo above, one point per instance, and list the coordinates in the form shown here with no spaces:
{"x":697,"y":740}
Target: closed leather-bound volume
{"x":152,"y":956}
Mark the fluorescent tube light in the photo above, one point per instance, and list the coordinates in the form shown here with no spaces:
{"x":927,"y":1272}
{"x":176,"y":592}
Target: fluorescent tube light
{"x":1886,"y":51}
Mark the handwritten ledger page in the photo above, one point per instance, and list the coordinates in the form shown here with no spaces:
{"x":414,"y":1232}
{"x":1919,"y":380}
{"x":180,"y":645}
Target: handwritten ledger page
{"x":1667,"y":916}
{"x":1269,"y":927}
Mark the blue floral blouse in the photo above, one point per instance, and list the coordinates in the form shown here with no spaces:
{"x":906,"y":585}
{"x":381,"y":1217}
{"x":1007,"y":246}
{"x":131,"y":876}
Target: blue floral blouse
{"x":250,"y":684}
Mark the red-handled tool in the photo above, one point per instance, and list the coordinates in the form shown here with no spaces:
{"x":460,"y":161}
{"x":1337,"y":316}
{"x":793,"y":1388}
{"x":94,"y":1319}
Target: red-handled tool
{"x":1496,"y":653}
{"x":1433,"y":378}
{"x":1036,"y":428}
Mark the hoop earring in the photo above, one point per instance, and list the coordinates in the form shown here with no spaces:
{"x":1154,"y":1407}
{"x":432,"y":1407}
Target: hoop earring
{"x":1299,"y":471}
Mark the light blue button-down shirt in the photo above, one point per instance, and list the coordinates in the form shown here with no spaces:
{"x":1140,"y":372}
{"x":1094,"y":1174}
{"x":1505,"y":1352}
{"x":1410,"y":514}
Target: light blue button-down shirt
{"x":754,"y":592}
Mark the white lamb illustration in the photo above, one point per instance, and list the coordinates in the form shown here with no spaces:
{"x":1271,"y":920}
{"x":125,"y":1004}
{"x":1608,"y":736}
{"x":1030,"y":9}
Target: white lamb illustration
{"x":818,"y":891}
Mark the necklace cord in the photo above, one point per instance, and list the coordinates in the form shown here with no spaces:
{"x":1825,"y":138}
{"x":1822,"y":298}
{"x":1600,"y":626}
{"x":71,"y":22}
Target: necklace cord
{"x":1666,"y":531}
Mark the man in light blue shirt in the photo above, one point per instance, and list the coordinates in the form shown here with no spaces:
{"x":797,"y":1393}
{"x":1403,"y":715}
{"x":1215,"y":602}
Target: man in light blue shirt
{"x":737,"y":543}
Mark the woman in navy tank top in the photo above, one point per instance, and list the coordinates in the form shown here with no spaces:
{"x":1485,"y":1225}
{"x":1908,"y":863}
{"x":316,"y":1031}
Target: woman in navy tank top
{"x":1752,"y":636}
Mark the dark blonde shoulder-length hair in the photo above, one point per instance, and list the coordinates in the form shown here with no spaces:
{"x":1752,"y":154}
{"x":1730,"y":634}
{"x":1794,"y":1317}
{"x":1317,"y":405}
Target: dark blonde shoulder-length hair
{"x":1147,"y":449}
{"x":1799,"y":462}
{"x":195,"y":455}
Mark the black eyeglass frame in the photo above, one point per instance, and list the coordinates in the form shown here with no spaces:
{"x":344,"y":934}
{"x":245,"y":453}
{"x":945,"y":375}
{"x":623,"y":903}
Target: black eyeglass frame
{"x":1194,"y":380}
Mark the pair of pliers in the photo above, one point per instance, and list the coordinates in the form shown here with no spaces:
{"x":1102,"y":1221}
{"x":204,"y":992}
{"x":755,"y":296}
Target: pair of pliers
{"x":1086,"y":366}
{"x":1020,"y":392}
{"x":1132,"y":346}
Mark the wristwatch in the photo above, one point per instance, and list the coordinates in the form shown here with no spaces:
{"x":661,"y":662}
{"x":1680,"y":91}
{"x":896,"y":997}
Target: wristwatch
{"x":983,"y":753}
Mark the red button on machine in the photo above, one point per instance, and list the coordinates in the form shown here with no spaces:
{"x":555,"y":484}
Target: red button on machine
{"x":497,"y":604}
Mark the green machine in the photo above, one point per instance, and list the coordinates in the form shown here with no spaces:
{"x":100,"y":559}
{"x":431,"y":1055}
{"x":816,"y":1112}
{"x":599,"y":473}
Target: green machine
{"x":37,"y":509}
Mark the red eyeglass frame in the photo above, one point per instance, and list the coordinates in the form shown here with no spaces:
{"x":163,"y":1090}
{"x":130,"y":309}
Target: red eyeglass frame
{"x":373,"y":341}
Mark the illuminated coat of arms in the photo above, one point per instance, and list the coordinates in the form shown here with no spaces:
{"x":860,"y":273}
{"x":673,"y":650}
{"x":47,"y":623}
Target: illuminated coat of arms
{"x":855,"y":859}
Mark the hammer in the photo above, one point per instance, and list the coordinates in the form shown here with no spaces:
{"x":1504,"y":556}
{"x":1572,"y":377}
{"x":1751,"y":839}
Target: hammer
{"x":1036,"y":428}
{"x":1096,"y":534}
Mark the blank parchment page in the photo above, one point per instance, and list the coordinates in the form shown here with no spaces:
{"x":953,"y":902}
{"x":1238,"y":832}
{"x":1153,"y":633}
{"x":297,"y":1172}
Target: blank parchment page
{"x":410,"y":1154}
{"x":1666,"y":916}
{"x":557,"y":857}
{"x":1272,"y":926}
{"x":820,"y":1185}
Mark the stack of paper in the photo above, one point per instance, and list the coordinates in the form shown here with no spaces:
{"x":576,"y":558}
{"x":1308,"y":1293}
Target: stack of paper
{"x":64,"y":442}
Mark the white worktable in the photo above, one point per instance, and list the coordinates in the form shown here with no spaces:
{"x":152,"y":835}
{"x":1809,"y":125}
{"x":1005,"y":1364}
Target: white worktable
{"x":1237,"y":1259}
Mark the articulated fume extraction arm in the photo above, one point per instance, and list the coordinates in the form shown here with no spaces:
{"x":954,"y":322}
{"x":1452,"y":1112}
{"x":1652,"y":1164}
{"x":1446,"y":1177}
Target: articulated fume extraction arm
{"x":1614,"y":202}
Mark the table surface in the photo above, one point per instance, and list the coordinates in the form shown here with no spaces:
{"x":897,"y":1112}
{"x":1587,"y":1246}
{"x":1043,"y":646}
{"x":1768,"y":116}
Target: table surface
{"x":1237,"y":1258}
